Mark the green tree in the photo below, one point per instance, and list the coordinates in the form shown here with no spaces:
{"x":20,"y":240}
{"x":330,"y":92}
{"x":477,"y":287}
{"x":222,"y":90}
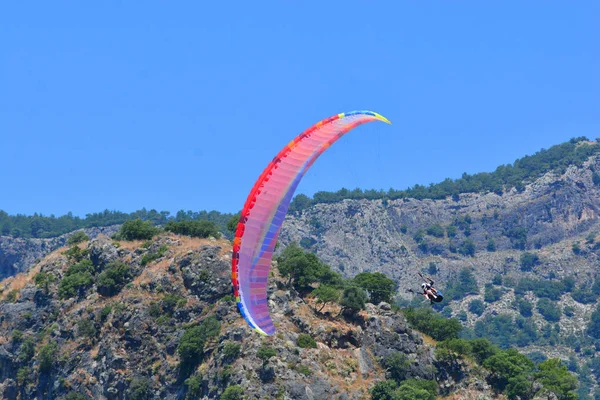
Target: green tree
{"x":140,"y":389}
{"x":476,"y":307}
{"x":200,"y":229}
{"x":46,"y":356}
{"x":232,"y":223}
{"x":554,"y":376}
{"x":137,"y":230}
{"x":191,"y":344}
{"x":113,"y":278}
{"x":380,"y":287}
{"x":397,"y":366}
{"x":300,"y":267}
{"x":353,"y":300}
{"x":234,"y":392}
{"x":326,"y":294}
{"x":384,"y":390}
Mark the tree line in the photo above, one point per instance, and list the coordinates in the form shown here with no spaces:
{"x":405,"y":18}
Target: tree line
{"x":42,"y":226}
{"x":557,"y":158}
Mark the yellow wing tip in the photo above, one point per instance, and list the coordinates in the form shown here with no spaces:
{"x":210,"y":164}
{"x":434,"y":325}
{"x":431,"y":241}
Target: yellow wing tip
{"x":382,"y":118}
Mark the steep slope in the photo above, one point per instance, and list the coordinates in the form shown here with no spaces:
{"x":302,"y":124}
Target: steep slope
{"x":546,"y":232}
{"x":155,"y":313}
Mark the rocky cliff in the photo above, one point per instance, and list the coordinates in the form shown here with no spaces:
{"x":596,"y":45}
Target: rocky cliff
{"x":97,"y":342}
{"x":17,"y":254}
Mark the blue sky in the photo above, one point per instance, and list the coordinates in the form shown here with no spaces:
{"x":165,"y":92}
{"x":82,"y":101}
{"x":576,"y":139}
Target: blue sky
{"x":180,"y":105}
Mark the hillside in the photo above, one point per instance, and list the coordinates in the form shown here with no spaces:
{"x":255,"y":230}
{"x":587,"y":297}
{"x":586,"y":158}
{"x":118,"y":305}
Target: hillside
{"x":546,"y":231}
{"x":164,"y":326}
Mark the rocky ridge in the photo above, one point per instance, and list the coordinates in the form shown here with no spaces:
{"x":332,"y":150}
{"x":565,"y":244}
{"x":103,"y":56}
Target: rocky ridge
{"x":112,"y":347}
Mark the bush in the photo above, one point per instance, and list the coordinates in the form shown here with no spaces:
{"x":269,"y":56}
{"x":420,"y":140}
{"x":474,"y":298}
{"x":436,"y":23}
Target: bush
{"x":264,"y":353}
{"x":74,"y":285}
{"x":397,"y":366}
{"x":353,"y":300}
{"x":200,"y":229}
{"x":112,"y":279}
{"x":140,"y":389}
{"x":191,"y":344}
{"x":77,"y":237}
{"x":86,"y":328}
{"x":379,"y":286}
{"x":432,"y":324}
{"x":477,"y":307}
{"x":137,"y":230}
{"x":306,"y":341}
{"x":46,"y":356}
{"x":234,"y":392}
{"x":149,"y":257}
{"x":461,"y":285}
{"x":525,"y":308}
{"x":492,"y":294}
{"x":528,"y":261}
{"x":460,"y":346}
{"x":550,"y":311}
{"x":231,"y":351}
{"x":194,"y":385}
{"x":436,"y":231}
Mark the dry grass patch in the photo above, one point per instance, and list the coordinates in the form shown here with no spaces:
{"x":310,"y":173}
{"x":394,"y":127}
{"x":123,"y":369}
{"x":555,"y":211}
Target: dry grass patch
{"x":429,"y":340}
{"x":19,"y":281}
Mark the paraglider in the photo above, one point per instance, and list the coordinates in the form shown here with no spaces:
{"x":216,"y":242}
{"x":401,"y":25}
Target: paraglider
{"x":429,"y":291}
{"x":266,"y":207}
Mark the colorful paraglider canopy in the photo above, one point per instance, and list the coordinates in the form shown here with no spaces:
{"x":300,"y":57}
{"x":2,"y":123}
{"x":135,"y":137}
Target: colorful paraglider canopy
{"x":266,"y":207}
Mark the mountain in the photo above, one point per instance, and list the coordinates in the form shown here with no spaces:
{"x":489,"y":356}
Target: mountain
{"x":112,"y":319}
{"x":529,"y":253}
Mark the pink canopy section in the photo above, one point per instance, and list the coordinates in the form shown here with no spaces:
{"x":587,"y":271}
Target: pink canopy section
{"x":266,"y":207}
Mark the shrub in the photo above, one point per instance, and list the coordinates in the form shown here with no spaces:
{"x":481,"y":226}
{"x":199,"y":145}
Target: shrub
{"x":77,"y":237}
{"x":112,"y":279}
{"x":397,"y":366}
{"x":140,"y":389}
{"x":264,"y":353}
{"x":432,"y":324}
{"x":550,"y":311}
{"x":17,"y":336}
{"x":492,"y":294}
{"x":201,"y":229}
{"x":137,"y":230}
{"x":525,"y":308}
{"x":234,"y":392}
{"x":436,"y":231}
{"x":86,"y":328}
{"x":476,"y":307}
{"x":353,"y":300}
{"x":75,"y":284}
{"x":460,"y":346}
{"x":231,"y":351}
{"x":306,"y":341}
{"x":26,"y":351}
{"x":43,"y":280}
{"x":194,"y":385}
{"x":528,"y":261}
{"x":46,"y":356}
{"x":191,"y":344}
{"x":149,"y":257}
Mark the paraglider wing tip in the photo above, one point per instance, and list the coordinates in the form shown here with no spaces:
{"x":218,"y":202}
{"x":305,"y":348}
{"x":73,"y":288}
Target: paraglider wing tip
{"x":382,"y":118}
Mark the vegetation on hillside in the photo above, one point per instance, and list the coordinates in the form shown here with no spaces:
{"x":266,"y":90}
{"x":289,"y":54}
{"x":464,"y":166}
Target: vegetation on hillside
{"x":523,"y":170}
{"x":41,"y":226}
